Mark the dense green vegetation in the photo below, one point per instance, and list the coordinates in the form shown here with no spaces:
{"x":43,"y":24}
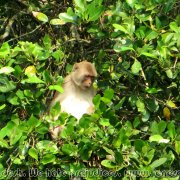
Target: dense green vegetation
{"x":135,"y":130}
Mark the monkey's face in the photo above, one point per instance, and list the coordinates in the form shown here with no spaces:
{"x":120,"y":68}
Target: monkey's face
{"x":87,"y":81}
{"x":84,"y":74}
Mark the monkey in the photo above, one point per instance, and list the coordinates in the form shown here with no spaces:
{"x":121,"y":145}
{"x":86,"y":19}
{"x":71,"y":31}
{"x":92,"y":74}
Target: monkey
{"x":78,"y":94}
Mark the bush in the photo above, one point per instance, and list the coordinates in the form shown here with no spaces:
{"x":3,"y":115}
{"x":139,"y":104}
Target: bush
{"x":134,"y":131}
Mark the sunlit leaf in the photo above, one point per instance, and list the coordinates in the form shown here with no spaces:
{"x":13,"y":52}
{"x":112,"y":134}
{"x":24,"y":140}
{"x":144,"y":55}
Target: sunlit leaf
{"x":171,"y":129}
{"x":169,"y":73}
{"x":158,"y":163}
{"x":140,"y":105}
{"x":152,"y":35}
{"x":166,"y":113}
{"x":136,"y":67}
{"x":2,"y":107}
{"x":6,"y":85}
{"x":30,"y":70}
{"x":177,"y":146}
{"x":158,"y":138}
{"x":33,"y":153}
{"x":32,"y":79}
{"x":57,"y":88}
{"x":171,"y":104}
{"x":6,"y":70}
{"x":48,"y":158}
{"x":131,"y":2}
{"x":174,"y":26}
{"x":108,"y":164}
{"x":120,"y":28}
{"x":152,"y":90}
{"x":57,"y":22}
{"x":67,"y":18}
{"x":40,"y":16}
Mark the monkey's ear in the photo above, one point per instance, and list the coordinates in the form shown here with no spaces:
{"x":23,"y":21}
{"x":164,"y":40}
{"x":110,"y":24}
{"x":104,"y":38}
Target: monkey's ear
{"x":75,"y":67}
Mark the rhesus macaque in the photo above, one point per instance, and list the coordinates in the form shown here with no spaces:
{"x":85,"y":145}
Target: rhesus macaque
{"x":78,"y":93}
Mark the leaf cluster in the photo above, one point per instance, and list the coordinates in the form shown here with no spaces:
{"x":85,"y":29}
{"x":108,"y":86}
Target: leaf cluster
{"x":134,"y":131}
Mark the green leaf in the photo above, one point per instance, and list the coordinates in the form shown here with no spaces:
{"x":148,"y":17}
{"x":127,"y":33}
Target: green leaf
{"x":48,"y":158}
{"x":158,"y":163}
{"x":162,"y":126}
{"x":152,"y":104}
{"x":171,"y":104}
{"x":86,"y":151}
{"x":2,"y":107}
{"x":140,"y":105}
{"x":32,"y":80}
{"x":47,"y":41}
{"x":6,"y":85}
{"x":67,"y":18}
{"x":57,"y":88}
{"x":120,"y":28}
{"x":16,"y":134}
{"x":177,"y":146}
{"x":108,"y":164}
{"x":149,"y":55}
{"x":33,"y":122}
{"x":7,"y":130}
{"x":57,"y":22}
{"x":169,"y":73}
{"x":174,"y":27}
{"x":47,"y":146}
{"x":120,"y":104}
{"x":4,"y":50}
{"x":152,"y":35}
{"x":131,"y":3}
{"x":6,"y":70}
{"x":154,"y":127}
{"x":136,"y":122}
{"x":104,"y":122}
{"x":109,"y":93}
{"x":58,"y":55}
{"x":155,"y":138}
{"x":171,"y":129}
{"x":80,"y":4}
{"x":3,"y":144}
{"x":158,"y":23}
{"x":13,"y":99}
{"x":33,"y":153}
{"x":136,"y":67}
{"x":20,"y":94}
{"x":168,"y":37}
{"x":55,"y":109}
{"x":97,"y":100}
{"x":40,"y":16}
{"x":158,"y":138}
{"x":69,"y":149}
{"x":139,"y":145}
{"x":152,"y":90}
{"x":94,"y":11}
{"x":145,"y":115}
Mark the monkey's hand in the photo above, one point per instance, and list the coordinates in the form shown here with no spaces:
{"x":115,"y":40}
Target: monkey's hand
{"x":90,"y":109}
{"x":55,"y":131}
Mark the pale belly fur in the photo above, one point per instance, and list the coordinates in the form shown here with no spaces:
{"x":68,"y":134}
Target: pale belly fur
{"x":75,"y":106}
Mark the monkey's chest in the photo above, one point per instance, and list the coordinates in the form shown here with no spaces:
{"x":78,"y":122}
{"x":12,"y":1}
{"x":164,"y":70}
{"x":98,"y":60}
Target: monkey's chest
{"x":76,"y":106}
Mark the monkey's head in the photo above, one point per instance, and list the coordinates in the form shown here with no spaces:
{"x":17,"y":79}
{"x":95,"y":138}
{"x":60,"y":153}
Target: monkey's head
{"x":84,"y":74}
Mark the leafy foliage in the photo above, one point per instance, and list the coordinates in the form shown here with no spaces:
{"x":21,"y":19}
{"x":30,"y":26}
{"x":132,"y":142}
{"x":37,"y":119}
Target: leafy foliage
{"x":134,"y":131}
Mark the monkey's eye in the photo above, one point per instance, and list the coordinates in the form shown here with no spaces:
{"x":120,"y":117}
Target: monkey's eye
{"x":92,"y":78}
{"x":75,"y":67}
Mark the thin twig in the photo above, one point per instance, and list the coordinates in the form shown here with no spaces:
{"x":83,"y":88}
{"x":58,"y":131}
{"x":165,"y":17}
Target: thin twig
{"x":25,"y":34}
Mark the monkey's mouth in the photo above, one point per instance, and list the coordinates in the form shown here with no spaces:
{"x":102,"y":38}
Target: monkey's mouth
{"x":85,"y":87}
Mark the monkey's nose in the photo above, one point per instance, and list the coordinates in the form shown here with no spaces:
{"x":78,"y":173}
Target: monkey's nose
{"x":88,"y":85}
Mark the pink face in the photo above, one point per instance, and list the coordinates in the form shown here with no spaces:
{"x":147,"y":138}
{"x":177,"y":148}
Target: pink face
{"x":87,"y":81}
{"x":84,"y":74}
